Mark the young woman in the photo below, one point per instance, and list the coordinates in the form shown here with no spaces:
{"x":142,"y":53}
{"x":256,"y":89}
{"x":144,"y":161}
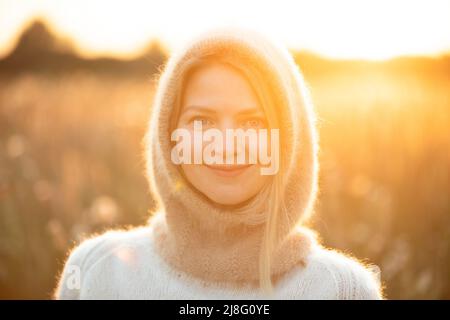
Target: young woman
{"x":224,"y":230}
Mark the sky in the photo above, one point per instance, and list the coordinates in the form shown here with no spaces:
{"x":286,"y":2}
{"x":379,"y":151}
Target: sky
{"x":338,"y":29}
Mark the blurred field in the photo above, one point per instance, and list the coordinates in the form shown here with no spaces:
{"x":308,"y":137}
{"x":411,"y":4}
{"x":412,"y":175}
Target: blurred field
{"x":71,"y":165}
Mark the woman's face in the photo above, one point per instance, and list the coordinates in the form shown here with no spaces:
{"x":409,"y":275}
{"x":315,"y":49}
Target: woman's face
{"x":221,"y":98}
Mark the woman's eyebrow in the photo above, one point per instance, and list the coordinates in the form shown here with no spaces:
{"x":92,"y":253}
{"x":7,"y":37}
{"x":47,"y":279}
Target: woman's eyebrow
{"x":203,"y":109}
{"x":210,"y":110}
{"x":251,"y":111}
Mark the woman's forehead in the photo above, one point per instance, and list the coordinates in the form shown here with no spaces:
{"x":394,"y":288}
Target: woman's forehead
{"x":219,"y":88}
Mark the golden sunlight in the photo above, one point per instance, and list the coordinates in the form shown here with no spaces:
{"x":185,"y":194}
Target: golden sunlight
{"x":337,"y":29}
{"x":79,"y":83}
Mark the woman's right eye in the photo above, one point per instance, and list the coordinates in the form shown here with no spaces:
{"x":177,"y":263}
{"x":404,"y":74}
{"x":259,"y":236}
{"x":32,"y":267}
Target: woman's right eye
{"x":206,"y":122}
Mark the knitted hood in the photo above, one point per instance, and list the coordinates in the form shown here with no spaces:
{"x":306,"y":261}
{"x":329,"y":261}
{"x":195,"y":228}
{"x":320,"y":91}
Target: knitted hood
{"x":202,"y":238}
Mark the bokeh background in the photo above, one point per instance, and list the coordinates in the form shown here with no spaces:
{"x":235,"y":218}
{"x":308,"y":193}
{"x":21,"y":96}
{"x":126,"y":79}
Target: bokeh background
{"x":74,"y":108}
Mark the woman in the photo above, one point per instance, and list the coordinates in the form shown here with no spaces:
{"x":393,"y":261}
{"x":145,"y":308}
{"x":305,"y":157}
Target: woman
{"x":224,"y":230}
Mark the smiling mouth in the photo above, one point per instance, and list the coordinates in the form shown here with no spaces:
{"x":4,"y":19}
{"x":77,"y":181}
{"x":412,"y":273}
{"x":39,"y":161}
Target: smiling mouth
{"x":228,"y":170}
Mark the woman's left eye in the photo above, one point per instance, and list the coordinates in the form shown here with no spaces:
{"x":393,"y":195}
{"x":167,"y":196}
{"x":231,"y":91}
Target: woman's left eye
{"x":253,"y":123}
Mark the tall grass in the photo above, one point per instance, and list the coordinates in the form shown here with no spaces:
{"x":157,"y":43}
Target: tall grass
{"x":70,"y":165}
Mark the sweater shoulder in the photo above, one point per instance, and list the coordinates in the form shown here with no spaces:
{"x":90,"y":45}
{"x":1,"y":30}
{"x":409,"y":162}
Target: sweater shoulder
{"x":92,"y":251}
{"x":353,"y":278}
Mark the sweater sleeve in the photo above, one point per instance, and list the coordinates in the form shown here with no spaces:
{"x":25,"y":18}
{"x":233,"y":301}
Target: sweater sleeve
{"x":354,"y":280}
{"x":361,"y":281}
{"x":367,"y":286}
{"x":75,"y":270}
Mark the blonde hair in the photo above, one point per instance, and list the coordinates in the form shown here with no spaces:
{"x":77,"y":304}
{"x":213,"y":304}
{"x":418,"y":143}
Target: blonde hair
{"x":274,"y":188}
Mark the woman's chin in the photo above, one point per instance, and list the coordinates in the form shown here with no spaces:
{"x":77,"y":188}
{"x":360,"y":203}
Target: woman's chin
{"x":228,"y":195}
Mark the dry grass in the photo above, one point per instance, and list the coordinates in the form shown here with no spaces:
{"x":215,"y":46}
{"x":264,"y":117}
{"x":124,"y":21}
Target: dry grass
{"x":70,"y":164}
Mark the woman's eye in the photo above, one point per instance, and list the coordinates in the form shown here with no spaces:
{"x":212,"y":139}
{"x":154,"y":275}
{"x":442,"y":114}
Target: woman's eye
{"x":204,"y":121}
{"x":253,"y":123}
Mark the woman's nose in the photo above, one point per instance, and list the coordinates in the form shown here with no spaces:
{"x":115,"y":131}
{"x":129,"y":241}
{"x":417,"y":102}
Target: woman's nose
{"x":231,"y":148}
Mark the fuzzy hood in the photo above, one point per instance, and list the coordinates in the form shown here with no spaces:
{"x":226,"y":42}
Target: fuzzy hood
{"x":194,"y":234}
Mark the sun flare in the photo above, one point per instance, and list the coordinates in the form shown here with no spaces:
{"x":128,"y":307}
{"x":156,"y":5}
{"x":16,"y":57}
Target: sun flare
{"x":345,"y":29}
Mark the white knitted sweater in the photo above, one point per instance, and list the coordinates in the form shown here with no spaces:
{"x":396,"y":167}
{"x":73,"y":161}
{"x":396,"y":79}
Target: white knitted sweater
{"x":125,"y":265}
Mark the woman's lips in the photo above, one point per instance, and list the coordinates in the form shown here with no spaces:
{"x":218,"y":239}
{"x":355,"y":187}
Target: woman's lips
{"x":228,"y":170}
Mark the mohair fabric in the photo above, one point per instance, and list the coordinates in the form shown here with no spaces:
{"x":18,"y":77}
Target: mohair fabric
{"x":215,"y":242}
{"x":126,"y":265}
{"x":193,"y":248}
